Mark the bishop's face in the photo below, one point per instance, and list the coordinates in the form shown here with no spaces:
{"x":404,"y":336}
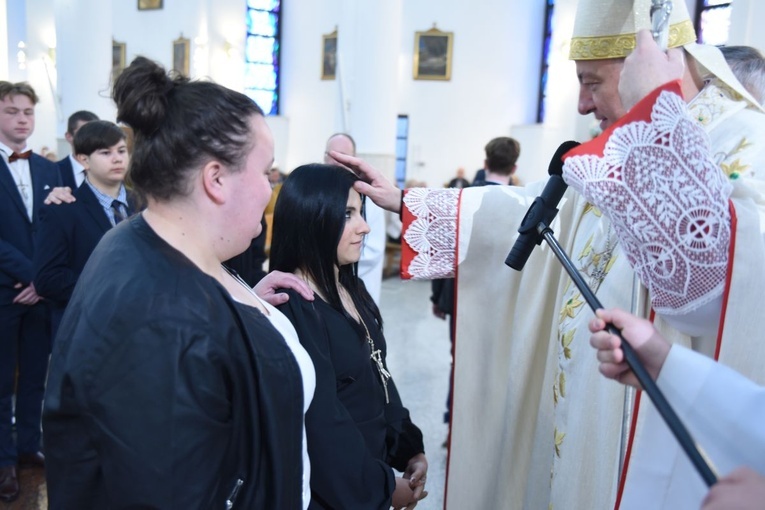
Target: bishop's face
{"x":599,"y":89}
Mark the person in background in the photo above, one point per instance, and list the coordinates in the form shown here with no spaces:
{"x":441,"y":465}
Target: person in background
{"x":275,"y":177}
{"x":722,"y":409}
{"x":459,"y":181}
{"x":172,"y":383}
{"x":748,"y":65}
{"x":358,"y":429}
{"x":72,"y":171}
{"x":370,"y":268}
{"x":25,"y":179}
{"x":68,"y":233}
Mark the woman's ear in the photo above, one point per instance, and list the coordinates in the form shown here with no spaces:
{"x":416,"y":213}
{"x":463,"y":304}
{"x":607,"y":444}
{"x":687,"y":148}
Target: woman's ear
{"x":214,"y":181}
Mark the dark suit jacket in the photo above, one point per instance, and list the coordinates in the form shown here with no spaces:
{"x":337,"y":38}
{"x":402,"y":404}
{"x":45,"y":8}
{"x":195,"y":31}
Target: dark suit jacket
{"x":67,"y":173}
{"x":66,"y":236}
{"x":16,"y":230}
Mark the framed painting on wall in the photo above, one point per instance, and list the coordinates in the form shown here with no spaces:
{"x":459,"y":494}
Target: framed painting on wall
{"x":181,"y":49}
{"x":118,"y":58}
{"x":149,"y":5}
{"x":433,"y":55}
{"x":329,"y":56}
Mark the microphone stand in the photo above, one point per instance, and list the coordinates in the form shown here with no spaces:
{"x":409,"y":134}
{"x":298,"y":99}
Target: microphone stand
{"x":649,"y":385}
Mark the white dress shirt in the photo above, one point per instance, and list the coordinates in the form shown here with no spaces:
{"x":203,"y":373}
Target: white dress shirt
{"x":22,"y":176}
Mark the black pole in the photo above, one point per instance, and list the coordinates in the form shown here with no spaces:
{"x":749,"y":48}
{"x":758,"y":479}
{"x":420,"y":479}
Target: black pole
{"x":630,"y":356}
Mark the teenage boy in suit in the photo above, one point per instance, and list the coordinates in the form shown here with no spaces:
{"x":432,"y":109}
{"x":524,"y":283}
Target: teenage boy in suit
{"x":69,"y":233}
{"x":25,"y":181}
{"x":72,"y":172}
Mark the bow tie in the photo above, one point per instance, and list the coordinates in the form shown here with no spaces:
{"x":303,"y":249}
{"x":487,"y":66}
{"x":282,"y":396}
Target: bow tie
{"x":16,"y":155}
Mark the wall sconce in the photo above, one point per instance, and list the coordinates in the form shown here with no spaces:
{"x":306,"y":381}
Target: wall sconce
{"x":21,"y":55}
{"x":200,"y":56}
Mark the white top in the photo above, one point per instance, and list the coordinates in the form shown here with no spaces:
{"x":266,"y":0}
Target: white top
{"x":22,"y":176}
{"x":78,"y":170}
{"x":722,"y":410}
{"x":287,"y":330}
{"x":373,"y":251}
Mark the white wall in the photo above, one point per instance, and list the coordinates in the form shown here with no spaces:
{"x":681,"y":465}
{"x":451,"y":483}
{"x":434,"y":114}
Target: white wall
{"x":495,"y":77}
{"x":492,"y":92}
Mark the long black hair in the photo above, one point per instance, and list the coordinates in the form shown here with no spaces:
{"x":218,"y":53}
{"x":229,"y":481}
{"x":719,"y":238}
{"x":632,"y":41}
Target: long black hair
{"x":309,"y":219}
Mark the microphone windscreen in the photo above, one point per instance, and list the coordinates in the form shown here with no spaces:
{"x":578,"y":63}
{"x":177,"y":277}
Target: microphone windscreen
{"x":556,"y":163}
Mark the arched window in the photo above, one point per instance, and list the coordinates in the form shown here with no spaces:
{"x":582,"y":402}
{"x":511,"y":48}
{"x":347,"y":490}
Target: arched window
{"x":713,"y":21}
{"x":261,"y":54}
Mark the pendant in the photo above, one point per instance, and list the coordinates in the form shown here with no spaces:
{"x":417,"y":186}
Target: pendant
{"x":384,"y":374}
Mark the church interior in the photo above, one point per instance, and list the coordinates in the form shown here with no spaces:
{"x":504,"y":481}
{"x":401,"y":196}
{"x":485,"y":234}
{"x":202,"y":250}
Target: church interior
{"x":421,"y":85}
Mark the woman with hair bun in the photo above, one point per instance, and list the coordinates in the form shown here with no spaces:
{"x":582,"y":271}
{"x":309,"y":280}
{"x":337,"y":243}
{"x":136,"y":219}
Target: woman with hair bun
{"x":358,"y":429}
{"x":172,"y":384}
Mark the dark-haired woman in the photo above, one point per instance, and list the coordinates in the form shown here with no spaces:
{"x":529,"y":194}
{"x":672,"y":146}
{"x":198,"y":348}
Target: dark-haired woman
{"x":358,"y":429}
{"x":172,"y":384}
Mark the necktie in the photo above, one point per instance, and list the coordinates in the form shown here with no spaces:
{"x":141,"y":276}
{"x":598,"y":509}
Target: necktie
{"x":118,"y":216}
{"x":19,"y":155}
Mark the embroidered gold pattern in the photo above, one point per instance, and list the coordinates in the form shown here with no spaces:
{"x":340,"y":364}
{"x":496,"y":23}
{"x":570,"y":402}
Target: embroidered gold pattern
{"x":736,"y":168}
{"x":619,"y":46}
{"x":559,"y":436}
{"x":595,"y":260}
{"x":589,"y":208}
{"x":569,"y":309}
{"x":565,"y":341}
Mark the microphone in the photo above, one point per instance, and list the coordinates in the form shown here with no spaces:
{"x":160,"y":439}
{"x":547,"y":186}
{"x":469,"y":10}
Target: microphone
{"x":543,"y":209}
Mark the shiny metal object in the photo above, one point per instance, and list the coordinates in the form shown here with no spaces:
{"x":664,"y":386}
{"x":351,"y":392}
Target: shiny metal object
{"x":660,"y":11}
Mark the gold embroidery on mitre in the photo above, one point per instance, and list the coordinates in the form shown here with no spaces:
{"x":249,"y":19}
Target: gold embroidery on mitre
{"x":621,"y":45}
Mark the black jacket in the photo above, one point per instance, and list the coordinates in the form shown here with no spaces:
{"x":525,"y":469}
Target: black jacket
{"x":354,"y":437}
{"x":163,"y":392}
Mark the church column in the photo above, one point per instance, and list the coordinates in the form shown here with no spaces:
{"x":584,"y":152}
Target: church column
{"x":83,"y":60}
{"x":369,"y":40}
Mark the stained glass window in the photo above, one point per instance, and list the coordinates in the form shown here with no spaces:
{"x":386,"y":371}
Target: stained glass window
{"x":542,"y":100}
{"x":402,"y":142}
{"x":713,"y":21}
{"x":261,"y":54}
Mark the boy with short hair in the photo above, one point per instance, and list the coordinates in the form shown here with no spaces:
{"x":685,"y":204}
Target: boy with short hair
{"x":68,"y":233}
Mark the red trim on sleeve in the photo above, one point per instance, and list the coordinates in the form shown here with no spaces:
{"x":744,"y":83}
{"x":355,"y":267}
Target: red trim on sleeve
{"x":631,"y":440}
{"x":407,"y":252}
{"x":728,"y":277}
{"x":639,"y":112}
{"x":630,"y":443}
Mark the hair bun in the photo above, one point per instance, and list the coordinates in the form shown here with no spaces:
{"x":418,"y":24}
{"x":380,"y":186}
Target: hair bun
{"x":141,"y":94}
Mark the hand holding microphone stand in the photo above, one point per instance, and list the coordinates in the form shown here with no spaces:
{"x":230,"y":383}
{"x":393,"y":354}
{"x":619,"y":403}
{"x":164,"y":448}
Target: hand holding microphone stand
{"x":534,"y":228}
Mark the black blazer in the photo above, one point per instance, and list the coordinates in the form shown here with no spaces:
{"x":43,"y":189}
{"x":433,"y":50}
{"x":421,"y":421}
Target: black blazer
{"x":67,"y":173}
{"x":66,"y":236}
{"x":163,"y":392}
{"x":16,"y":230}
